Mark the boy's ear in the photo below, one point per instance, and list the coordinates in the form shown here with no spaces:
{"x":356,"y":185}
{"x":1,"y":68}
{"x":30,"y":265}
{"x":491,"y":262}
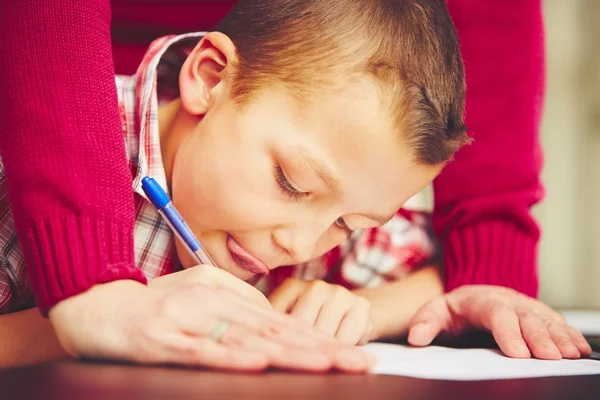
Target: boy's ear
{"x":206,"y":67}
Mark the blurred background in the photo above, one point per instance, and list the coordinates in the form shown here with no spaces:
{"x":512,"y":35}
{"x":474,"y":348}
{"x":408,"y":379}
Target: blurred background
{"x":570,"y":214}
{"x":569,"y":267}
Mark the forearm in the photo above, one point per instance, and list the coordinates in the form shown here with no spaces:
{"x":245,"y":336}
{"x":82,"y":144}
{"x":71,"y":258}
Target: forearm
{"x":394,"y":304}
{"x":62,"y":146}
{"x":28,"y":338}
{"x":483,"y":198}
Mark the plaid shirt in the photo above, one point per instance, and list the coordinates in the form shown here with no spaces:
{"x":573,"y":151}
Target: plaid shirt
{"x":370,"y":258}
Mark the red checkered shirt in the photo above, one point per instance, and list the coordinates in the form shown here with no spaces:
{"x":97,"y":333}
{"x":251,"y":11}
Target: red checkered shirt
{"x":368,"y":259}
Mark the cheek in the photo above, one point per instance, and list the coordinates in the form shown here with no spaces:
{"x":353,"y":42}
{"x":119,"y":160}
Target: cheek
{"x":202,"y":189}
{"x":212,"y":192}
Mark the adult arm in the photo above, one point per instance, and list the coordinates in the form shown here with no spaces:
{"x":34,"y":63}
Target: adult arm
{"x":62,"y":146}
{"x":483,"y":199}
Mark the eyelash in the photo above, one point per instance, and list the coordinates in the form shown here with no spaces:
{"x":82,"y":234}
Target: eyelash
{"x":286,"y":187}
{"x":290,"y":191}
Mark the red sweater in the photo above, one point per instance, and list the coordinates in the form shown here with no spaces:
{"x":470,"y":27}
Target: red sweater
{"x":77,"y":235}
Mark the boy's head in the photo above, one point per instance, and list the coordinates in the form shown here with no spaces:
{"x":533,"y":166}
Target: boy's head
{"x":302,"y":120}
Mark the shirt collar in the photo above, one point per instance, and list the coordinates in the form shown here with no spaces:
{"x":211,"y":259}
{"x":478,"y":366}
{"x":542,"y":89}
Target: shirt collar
{"x":151,"y":89}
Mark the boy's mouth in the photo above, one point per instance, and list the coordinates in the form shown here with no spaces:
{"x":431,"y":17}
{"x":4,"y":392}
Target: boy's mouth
{"x":244,"y":259}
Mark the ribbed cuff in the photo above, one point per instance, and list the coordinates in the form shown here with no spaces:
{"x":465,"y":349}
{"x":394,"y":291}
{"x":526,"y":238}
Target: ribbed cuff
{"x":492,"y":253}
{"x":66,"y":255}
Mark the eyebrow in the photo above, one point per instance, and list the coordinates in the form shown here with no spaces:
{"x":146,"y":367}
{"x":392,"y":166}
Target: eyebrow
{"x":303,"y":156}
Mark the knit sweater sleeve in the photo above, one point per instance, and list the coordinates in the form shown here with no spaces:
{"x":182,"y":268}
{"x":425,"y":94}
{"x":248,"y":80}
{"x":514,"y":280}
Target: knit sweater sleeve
{"x":62,"y":146}
{"x":483,"y":198}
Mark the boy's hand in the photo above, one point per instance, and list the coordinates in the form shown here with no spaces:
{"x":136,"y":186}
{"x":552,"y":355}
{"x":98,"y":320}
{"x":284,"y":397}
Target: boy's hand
{"x":521,"y":325}
{"x":212,"y":276}
{"x":331,"y":308}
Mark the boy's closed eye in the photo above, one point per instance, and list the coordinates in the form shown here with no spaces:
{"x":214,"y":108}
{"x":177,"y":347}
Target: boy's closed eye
{"x":286,"y":186}
{"x":288,"y":190}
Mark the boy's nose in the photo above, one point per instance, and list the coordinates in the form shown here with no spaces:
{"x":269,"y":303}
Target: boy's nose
{"x":299,"y":242}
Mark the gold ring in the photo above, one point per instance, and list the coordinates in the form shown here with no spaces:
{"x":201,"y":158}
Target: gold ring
{"x":219,"y":331}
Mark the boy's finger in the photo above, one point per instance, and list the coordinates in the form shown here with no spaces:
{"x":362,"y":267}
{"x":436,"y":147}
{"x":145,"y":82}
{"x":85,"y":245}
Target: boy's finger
{"x":331,"y":315}
{"x":562,"y":340}
{"x":366,"y":336}
{"x":504,"y":325}
{"x":225,"y":280}
{"x":538,"y":338}
{"x":271,"y":324}
{"x":353,"y":325}
{"x":279,"y":319}
{"x":579,"y":341}
{"x":308,"y":306}
{"x":283,"y":298}
{"x":345,"y":358}
{"x":215,"y":278}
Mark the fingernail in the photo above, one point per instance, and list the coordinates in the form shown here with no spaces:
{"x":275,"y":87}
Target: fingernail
{"x":572,"y":351}
{"x":586,"y":348}
{"x":551,"y":346}
{"x":571,"y":346}
{"x":420,"y":325}
{"x":521,"y":347}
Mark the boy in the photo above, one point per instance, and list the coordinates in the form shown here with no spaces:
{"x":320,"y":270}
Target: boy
{"x":284,"y":133}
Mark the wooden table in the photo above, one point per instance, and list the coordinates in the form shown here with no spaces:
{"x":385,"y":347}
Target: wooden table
{"x":82,"y":380}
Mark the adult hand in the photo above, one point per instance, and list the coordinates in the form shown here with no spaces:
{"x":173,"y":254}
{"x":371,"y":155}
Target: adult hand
{"x":521,"y":325}
{"x":332,"y":309}
{"x":197,"y":324}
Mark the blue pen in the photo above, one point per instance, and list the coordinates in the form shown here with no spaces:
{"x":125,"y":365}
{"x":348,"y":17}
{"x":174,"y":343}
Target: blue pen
{"x":165,"y":208}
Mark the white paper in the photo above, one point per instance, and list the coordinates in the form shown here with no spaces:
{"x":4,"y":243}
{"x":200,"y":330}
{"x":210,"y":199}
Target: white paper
{"x":436,"y":362}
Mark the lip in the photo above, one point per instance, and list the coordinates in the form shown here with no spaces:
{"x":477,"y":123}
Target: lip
{"x":244,"y":259}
